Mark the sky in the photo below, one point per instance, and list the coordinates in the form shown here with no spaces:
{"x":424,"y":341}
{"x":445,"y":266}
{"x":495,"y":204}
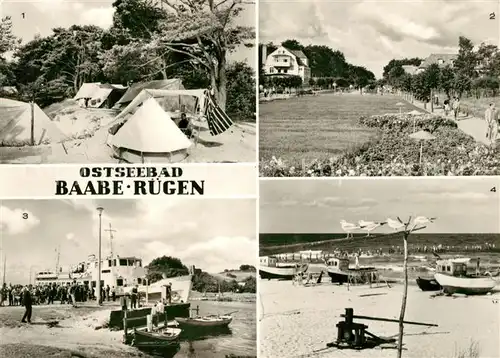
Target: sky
{"x":43,"y":15}
{"x":372,"y":32}
{"x":461,"y":205}
{"x":212,"y":234}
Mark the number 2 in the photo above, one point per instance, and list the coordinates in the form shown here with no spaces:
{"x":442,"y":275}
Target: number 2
{"x":492,"y":16}
{"x":25,"y":216}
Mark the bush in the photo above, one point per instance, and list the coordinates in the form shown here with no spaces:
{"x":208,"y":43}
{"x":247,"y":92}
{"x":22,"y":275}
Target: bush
{"x":395,"y":154}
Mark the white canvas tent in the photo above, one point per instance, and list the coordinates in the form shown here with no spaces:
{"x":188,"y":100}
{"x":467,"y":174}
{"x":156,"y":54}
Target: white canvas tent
{"x":197,"y":95}
{"x":15,"y":124}
{"x":150,"y":135}
{"x":98,"y":94}
{"x":87,"y":90}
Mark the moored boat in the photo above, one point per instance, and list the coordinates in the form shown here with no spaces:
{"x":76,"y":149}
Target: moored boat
{"x":428,"y":284}
{"x":212,"y":321}
{"x":161,"y":338}
{"x":453,"y":276}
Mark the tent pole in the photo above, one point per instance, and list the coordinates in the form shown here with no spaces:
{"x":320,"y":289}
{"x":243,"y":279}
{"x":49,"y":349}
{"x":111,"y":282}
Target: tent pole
{"x":420,"y":157}
{"x":33,"y":121}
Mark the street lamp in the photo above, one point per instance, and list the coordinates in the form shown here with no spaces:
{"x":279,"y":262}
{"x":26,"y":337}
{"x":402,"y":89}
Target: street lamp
{"x":98,"y":285}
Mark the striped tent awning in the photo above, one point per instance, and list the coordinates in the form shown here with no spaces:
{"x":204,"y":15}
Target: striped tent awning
{"x":218,"y":120}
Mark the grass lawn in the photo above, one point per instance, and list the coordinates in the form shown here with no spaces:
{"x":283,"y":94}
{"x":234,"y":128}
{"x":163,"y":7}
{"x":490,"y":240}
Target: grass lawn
{"x":303,"y":129}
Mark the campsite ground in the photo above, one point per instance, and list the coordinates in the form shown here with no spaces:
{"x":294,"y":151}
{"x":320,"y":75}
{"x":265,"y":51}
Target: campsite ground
{"x":87,"y":137}
{"x":303,"y":129}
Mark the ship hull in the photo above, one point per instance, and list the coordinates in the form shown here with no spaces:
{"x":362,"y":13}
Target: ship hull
{"x":465,"y":285}
{"x":360,"y":275}
{"x":279,"y":273}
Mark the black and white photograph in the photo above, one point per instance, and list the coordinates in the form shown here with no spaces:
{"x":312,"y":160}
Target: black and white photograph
{"x":127,"y":81}
{"x":379,"y":88}
{"x":379,"y":268}
{"x":128,"y":278}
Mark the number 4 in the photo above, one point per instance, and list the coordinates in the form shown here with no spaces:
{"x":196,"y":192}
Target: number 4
{"x":493,"y":190}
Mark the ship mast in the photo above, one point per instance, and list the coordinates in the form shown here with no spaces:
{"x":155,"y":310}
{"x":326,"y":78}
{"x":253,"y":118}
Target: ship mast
{"x":57,"y":259}
{"x":111,"y":231}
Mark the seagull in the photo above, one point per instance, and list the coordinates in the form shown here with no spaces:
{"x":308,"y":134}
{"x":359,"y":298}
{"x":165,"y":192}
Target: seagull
{"x":348,"y":227}
{"x":422,"y":220}
{"x":369,"y":226}
{"x":395,"y":224}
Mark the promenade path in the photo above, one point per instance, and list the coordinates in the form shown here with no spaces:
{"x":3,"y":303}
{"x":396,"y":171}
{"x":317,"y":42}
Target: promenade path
{"x":473,"y":126}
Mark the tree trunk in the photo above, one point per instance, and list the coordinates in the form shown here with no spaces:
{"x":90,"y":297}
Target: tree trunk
{"x":219,"y":83}
{"x":405,"y":293}
{"x":432,"y":101}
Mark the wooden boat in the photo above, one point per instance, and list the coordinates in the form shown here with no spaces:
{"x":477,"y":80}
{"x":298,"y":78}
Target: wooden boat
{"x":161,"y":338}
{"x":213,"y":321}
{"x":468,"y":285}
{"x":339,"y":271}
{"x":270,"y":268}
{"x":428,"y":284}
{"x":452,"y":275}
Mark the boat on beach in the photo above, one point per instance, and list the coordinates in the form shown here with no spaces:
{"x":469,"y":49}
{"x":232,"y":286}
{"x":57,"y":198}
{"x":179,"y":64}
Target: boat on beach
{"x":270,"y":268}
{"x":428,"y":284}
{"x":453,"y":276}
{"x":339,"y":271}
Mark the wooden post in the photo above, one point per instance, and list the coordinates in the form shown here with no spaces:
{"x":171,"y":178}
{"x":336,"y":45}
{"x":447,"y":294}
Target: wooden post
{"x":125,"y":328}
{"x":421,"y":150}
{"x":149,"y":323}
{"x":147,"y":295}
{"x":33,"y":121}
{"x":166,"y":317}
{"x":405,"y":291}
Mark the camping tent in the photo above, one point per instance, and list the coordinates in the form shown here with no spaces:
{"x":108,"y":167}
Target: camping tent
{"x":150,"y":135}
{"x":193,"y":99}
{"x":136,"y":88}
{"x":87,"y":90}
{"x":15,"y":124}
{"x":199,"y":102}
{"x":100,"y":95}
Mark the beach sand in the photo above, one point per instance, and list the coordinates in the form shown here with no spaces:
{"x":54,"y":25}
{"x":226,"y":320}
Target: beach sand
{"x":298,"y":321}
{"x":76,"y":334}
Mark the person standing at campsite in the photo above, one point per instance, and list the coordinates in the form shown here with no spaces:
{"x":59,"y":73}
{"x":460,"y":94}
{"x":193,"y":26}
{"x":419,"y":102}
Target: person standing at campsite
{"x":27,"y":302}
{"x":456,"y":107}
{"x":113,"y":293}
{"x":107,"y":293}
{"x":491,"y":117}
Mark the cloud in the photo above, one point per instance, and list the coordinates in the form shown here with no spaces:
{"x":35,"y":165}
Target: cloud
{"x":371,"y":33}
{"x":101,"y":16}
{"x":17,"y":221}
{"x":70,"y":236}
{"x":213,"y":255}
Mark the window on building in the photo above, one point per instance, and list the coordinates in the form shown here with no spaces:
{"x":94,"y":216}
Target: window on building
{"x":285,"y":71}
{"x":123,"y":262}
{"x":119,"y":282}
{"x":109,"y":263}
{"x":105,"y":271}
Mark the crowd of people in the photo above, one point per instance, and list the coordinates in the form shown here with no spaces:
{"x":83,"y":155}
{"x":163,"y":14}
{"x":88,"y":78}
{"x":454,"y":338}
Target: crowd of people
{"x":386,"y":251}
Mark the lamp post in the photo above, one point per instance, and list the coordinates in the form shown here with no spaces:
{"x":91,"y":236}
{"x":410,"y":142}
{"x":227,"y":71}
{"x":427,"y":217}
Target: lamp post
{"x":98,"y":284}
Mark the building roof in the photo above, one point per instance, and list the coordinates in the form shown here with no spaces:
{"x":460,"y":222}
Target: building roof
{"x":435,"y":57}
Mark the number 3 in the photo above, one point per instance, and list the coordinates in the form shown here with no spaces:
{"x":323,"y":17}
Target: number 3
{"x":25,"y":215}
{"x":492,"y":16}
